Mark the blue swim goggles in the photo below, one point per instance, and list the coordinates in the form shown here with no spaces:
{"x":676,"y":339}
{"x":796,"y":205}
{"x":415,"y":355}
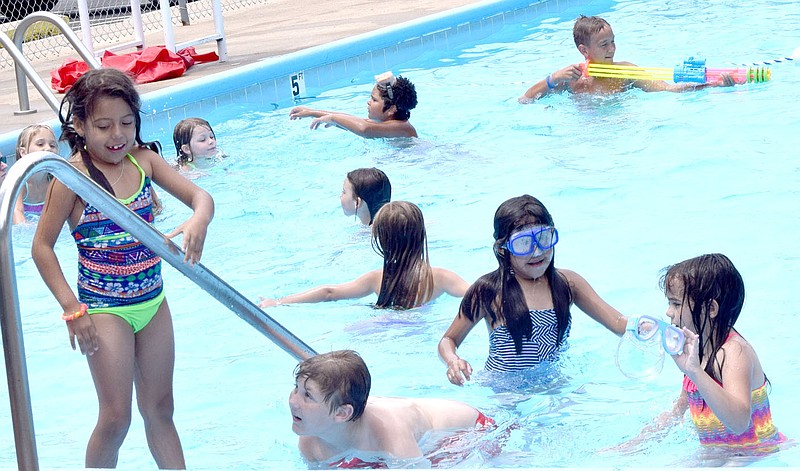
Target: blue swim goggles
{"x":645,"y":328}
{"x":526,"y":241}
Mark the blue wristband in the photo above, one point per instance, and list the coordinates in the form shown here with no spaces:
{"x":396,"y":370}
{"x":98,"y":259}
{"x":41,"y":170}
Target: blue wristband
{"x":550,"y":84}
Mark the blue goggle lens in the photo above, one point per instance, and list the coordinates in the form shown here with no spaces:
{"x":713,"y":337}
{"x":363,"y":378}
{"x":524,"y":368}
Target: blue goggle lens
{"x":526,"y":241}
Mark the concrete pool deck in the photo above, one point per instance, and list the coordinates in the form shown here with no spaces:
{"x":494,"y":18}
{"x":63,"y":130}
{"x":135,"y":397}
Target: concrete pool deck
{"x":253,"y":33}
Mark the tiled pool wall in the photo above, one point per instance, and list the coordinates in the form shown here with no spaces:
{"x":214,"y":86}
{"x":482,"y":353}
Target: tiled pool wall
{"x":268,"y":83}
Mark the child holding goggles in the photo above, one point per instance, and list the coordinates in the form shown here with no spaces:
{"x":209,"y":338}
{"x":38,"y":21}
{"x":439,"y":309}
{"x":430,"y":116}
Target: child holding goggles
{"x":407,"y":279}
{"x":724,"y":385}
{"x":388,"y":111}
{"x":526,"y":300}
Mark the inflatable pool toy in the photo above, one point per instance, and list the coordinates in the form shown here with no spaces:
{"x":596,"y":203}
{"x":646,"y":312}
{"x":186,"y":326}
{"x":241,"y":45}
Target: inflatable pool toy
{"x":692,"y":70}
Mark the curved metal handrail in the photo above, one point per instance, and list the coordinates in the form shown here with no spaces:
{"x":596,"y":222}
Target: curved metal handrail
{"x":23,"y":68}
{"x":10,"y":324}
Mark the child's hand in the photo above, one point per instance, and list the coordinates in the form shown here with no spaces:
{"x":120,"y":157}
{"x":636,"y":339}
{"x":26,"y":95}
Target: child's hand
{"x":84,"y":330}
{"x":194,"y":236}
{"x":300,"y":112}
{"x":458,"y":371}
{"x":263,"y":302}
{"x":725,"y":80}
{"x":688,"y":361}
{"x":568,"y":74}
{"x":327,"y":119}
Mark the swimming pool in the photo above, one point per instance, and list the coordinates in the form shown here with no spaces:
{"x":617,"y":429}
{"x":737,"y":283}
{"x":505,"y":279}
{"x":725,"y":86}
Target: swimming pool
{"x":635,"y":182}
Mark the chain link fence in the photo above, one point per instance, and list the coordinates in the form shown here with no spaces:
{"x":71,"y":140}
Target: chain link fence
{"x":110,"y":22}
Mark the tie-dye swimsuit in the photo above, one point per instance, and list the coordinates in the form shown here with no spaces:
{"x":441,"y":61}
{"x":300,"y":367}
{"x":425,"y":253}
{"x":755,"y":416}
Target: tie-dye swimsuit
{"x":761,"y":434}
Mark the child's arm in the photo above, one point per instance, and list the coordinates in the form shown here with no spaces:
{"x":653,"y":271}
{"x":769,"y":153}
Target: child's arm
{"x":662,"y":423}
{"x":555,"y":82}
{"x":364,"y":285}
{"x":731,"y":402}
{"x":193,"y":229}
{"x":458,"y":369}
{"x":305,"y":112}
{"x":450,"y":282}
{"x":19,"y":208}
{"x":587,"y":299}
{"x":725,"y":80}
{"x":58,"y":207}
{"x":366,"y":127}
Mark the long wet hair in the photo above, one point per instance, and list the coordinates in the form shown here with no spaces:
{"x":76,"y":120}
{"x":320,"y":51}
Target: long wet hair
{"x":499,"y":294}
{"x":182,"y":134}
{"x":79,"y":103}
{"x":398,"y":235}
{"x":705,"y":279}
{"x":372,"y":186}
{"x":342,"y":376}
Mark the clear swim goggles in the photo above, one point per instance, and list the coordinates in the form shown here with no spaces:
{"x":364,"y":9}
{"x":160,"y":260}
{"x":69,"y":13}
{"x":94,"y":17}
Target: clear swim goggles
{"x":526,"y":241}
{"x":645,"y":328}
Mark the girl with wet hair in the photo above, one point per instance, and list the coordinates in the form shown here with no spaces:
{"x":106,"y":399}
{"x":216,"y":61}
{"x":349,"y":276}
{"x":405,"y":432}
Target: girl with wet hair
{"x":364,"y":192}
{"x":526,"y":301}
{"x":406,"y":280}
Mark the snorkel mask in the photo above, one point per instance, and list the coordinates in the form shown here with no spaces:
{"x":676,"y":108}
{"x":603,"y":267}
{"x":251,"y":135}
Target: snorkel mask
{"x":526,"y":241}
{"x":640,"y":354}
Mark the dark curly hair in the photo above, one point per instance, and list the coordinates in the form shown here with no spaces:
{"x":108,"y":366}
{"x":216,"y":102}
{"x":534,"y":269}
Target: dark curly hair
{"x":405,"y":98}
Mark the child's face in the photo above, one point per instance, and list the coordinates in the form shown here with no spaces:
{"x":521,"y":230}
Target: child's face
{"x":533,"y":265}
{"x":310,"y":413}
{"x":202,"y":144}
{"x":348,"y":198}
{"x":110,"y":131}
{"x":43,"y":139}
{"x":601,"y":47}
{"x":375,"y":106}
{"x":678,"y":309}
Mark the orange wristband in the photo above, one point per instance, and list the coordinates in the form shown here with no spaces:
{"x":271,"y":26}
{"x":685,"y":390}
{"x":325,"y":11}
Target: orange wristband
{"x":79,"y":313}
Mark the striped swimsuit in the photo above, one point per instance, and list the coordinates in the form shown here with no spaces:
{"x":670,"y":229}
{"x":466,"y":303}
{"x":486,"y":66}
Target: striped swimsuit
{"x":542,"y":346}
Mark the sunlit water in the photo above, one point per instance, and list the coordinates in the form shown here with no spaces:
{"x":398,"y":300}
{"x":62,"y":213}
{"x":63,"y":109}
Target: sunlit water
{"x":634,"y":181}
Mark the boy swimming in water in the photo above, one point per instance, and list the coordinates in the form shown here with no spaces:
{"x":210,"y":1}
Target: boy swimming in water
{"x":595,"y":40}
{"x":335,"y":417}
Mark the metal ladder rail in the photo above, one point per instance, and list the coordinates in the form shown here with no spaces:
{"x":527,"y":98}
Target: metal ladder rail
{"x":23,"y":68}
{"x":10,"y":320}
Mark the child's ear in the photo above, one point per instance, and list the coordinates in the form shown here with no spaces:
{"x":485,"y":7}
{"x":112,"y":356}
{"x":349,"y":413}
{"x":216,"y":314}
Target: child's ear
{"x":343,"y":413}
{"x":185,"y":149}
{"x":584,"y":51}
{"x":713,"y":308}
{"x":392,"y":110}
{"x":78,"y":125}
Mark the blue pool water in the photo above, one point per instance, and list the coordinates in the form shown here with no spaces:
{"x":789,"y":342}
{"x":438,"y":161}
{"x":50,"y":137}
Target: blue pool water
{"x":634,"y":181}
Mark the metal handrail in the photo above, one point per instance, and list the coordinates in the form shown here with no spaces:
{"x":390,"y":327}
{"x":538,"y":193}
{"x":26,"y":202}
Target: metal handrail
{"x":10,"y":323}
{"x":23,"y":68}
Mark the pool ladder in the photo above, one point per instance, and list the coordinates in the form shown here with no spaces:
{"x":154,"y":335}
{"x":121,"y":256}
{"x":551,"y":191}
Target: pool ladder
{"x":10,"y":323}
{"x":24,"y":68}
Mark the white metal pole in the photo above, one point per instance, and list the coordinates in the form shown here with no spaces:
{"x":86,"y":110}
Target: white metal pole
{"x":86,"y":26}
{"x":136,"y":19}
{"x":169,"y":34}
{"x":222,"y":47}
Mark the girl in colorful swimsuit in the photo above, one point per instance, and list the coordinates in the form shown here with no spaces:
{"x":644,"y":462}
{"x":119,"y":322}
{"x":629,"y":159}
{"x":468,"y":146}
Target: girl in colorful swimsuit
{"x":364,"y":192}
{"x":407,"y":279}
{"x":724,"y":384}
{"x":388,"y":111}
{"x":36,"y":137}
{"x":526,"y":300}
{"x":120,"y":318}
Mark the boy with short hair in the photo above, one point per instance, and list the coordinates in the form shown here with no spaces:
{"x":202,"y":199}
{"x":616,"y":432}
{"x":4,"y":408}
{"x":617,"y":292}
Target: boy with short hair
{"x":333,"y":413}
{"x":594,"y":39}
